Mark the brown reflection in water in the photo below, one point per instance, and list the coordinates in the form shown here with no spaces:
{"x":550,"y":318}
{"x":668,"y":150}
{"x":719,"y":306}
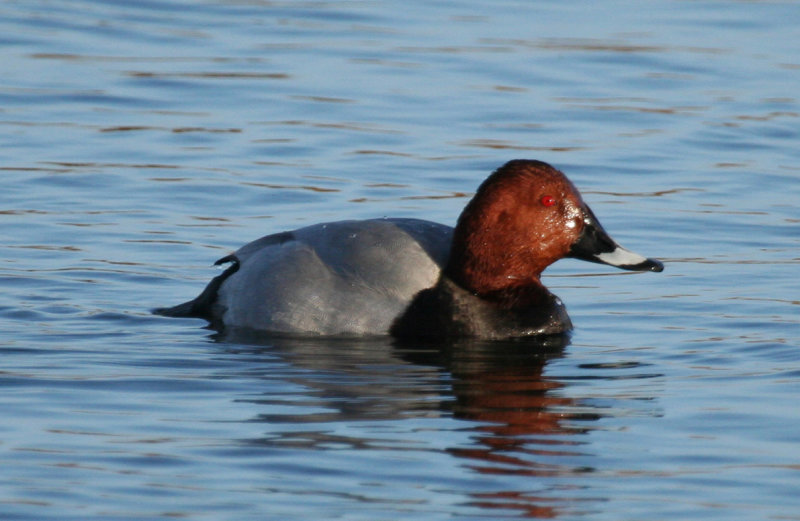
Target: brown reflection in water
{"x":530,"y":505}
{"x":520,"y":424}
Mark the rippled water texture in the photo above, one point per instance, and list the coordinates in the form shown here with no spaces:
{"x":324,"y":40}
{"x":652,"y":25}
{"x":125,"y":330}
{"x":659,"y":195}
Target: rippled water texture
{"x":143,"y":140}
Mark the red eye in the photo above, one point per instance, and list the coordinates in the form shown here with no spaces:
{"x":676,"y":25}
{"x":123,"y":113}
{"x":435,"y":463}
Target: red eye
{"x":548,"y":200}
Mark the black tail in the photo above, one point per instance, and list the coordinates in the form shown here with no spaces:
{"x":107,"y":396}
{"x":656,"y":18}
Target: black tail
{"x":203,"y":305}
{"x":181,"y":310}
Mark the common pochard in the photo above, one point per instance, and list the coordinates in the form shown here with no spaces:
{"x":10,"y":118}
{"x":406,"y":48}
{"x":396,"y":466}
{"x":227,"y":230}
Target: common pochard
{"x":418,"y":279}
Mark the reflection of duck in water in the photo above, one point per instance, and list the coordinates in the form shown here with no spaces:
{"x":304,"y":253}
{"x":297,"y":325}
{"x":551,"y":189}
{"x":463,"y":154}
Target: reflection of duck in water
{"x":510,"y":420}
{"x":500,"y":383}
{"x":419,"y":279}
{"x":520,"y":424}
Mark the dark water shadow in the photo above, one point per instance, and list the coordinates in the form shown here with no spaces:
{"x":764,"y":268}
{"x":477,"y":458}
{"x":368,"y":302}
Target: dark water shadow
{"x":520,"y":424}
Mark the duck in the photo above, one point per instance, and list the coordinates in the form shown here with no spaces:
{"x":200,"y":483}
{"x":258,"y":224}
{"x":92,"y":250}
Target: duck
{"x":417,"y":279}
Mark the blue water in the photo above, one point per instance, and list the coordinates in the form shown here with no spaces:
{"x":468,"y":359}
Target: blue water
{"x":141,"y":141}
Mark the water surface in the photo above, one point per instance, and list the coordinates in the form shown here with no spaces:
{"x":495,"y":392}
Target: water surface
{"x":142,"y":141}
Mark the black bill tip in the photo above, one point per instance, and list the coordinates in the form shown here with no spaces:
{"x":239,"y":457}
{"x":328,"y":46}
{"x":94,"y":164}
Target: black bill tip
{"x":647,"y":265}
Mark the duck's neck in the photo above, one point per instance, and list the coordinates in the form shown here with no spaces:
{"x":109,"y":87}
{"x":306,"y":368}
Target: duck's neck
{"x":500,"y":284}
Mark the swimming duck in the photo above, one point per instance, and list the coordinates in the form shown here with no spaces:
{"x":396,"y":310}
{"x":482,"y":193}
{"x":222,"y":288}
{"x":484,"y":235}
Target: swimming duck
{"x":413,"y":278}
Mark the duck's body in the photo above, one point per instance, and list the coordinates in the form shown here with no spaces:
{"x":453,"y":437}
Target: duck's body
{"x":415,"y":278}
{"x":339,"y":278}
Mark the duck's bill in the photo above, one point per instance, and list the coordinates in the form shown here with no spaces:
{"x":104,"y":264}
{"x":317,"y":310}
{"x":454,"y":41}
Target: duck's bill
{"x":595,"y":245}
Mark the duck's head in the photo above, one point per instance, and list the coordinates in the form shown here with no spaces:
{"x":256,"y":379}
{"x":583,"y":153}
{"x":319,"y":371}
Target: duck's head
{"x":524,"y":217}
